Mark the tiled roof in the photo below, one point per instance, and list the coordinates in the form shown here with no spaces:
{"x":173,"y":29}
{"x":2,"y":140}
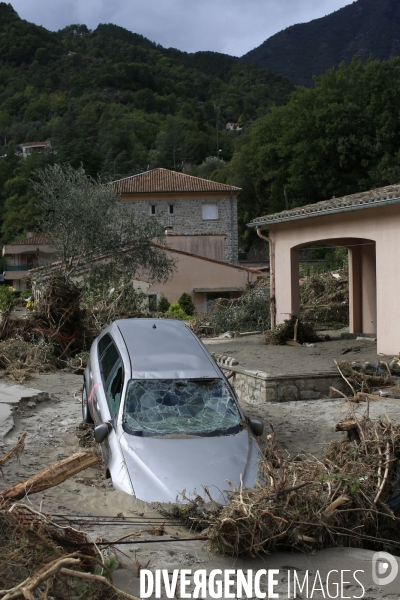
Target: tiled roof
{"x":35,"y":240}
{"x":164,"y":180}
{"x":373,"y":198}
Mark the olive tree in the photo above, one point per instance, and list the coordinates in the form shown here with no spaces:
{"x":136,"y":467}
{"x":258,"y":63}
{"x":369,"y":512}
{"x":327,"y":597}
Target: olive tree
{"x":86,"y":223}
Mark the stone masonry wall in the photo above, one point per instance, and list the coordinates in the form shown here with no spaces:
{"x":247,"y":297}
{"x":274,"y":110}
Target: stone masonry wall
{"x":187,"y":218}
{"x":255,"y":387}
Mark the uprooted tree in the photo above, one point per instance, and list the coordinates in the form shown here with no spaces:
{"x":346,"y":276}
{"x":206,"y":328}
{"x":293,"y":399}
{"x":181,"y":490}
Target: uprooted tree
{"x":86,"y":224}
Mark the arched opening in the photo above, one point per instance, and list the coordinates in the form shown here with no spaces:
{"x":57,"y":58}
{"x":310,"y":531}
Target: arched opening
{"x":362,"y":280}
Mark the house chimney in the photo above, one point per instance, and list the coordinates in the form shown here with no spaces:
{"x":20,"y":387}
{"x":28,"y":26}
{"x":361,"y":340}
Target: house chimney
{"x":29,"y":234}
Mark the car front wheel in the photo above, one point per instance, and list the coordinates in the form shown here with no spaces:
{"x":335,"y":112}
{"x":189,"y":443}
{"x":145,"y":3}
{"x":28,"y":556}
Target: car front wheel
{"x":86,"y":416}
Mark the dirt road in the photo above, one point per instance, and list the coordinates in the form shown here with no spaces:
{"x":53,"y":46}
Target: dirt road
{"x":88,"y":499}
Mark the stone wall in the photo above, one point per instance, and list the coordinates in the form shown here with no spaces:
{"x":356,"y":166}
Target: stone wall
{"x":187,"y":218}
{"x":257,"y":386}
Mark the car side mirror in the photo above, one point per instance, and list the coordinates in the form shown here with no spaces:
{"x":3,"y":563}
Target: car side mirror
{"x":256,"y":426}
{"x":101,"y":432}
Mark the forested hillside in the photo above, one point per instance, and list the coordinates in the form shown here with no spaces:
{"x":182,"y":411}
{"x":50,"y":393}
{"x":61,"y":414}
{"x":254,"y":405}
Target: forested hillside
{"x":115,"y":102}
{"x":339,"y":138}
{"x":366,"y":27}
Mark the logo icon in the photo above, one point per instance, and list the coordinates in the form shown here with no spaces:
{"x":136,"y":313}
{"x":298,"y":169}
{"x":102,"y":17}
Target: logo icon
{"x":384,"y":568}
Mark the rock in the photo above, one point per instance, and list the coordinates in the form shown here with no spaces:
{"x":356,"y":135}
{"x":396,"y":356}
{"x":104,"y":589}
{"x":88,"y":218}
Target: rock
{"x":394,"y":366}
{"x":369,"y":368}
{"x":31,"y":404}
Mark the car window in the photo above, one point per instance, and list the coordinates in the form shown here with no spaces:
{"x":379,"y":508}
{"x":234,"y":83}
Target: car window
{"x":114,"y":388}
{"x":193,"y":407}
{"x":103,"y":343}
{"x":108,"y":361}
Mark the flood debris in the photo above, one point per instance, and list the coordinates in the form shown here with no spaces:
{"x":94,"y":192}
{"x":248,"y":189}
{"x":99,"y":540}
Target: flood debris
{"x":14,"y":452}
{"x":308,"y":504}
{"x":247,"y":314}
{"x":367,"y":376}
{"x":292,"y":330}
{"x":324,"y":299}
{"x":58,"y":332}
{"x":40,"y":558}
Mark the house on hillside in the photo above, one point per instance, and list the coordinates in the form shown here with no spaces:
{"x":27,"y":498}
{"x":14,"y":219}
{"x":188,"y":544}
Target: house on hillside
{"x":22,"y":256}
{"x":186,"y":206}
{"x":368,"y":225}
{"x":29,"y":147}
{"x":233,"y":126}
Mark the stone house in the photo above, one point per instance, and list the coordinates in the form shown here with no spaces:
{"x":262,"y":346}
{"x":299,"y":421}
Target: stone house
{"x":186,"y":206}
{"x":368,"y":225}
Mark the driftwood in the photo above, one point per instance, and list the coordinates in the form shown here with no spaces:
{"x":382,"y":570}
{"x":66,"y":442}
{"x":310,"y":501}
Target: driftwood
{"x":51,"y":476}
{"x":14,"y":452}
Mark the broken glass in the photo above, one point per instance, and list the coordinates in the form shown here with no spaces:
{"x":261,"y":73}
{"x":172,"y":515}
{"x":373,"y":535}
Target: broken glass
{"x":184,"y":406}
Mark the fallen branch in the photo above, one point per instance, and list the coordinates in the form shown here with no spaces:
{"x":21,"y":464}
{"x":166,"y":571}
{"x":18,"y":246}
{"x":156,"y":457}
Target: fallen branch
{"x":15,"y":451}
{"x":51,"y":476}
{"x":98,"y":578}
{"x":25,"y":588}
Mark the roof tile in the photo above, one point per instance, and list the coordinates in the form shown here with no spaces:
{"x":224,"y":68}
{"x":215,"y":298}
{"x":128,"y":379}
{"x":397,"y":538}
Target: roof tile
{"x":34,"y":240}
{"x":164,"y":180}
{"x":337,"y":205}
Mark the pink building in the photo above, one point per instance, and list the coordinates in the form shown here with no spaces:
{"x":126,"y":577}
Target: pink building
{"x":368,"y":225}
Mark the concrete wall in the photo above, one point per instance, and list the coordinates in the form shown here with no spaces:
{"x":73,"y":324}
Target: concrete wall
{"x":187,"y":217}
{"x":371,"y":235}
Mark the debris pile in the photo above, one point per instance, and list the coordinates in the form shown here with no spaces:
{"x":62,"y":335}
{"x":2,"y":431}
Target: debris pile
{"x":348,"y":498}
{"x":59,"y":331}
{"x":367,"y":376}
{"x":250,"y":312}
{"x":324,"y":299}
{"x":40,"y":558}
{"x":292,"y":330}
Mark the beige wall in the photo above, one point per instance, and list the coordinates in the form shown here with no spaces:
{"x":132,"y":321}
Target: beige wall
{"x":366,"y":233}
{"x":193,"y":272}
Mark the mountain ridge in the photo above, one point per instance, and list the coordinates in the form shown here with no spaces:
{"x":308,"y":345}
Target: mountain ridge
{"x":365,"y":27}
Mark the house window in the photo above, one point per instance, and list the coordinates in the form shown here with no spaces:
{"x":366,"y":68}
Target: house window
{"x":153,"y":209}
{"x":171,"y":209}
{"x":210,"y":212}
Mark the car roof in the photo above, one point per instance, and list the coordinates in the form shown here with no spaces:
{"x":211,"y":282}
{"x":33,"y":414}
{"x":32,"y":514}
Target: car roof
{"x":165,"y":349}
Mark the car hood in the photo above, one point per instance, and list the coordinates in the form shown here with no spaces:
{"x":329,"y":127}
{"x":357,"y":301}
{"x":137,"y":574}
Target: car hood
{"x":161,"y":469}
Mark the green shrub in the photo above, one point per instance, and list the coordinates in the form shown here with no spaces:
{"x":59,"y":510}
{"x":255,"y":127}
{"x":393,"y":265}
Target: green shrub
{"x":26,"y":294}
{"x":6,"y":298}
{"x":175,"y":311}
{"x":186,"y":303}
{"x":163,"y":305}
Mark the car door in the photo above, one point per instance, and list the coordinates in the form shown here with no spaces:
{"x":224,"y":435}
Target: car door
{"x":112,"y":374}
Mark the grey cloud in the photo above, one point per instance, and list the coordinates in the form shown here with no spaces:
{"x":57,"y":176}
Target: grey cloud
{"x":230,"y":26}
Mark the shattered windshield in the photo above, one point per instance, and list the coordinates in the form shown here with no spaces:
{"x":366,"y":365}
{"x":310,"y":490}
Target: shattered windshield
{"x":193,"y":407}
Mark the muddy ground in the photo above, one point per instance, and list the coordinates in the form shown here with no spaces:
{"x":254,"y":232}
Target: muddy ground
{"x":91,"y":503}
{"x":253,"y":354}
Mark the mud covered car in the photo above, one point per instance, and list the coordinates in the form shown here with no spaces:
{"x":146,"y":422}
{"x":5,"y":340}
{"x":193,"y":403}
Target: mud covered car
{"x":166,"y":417}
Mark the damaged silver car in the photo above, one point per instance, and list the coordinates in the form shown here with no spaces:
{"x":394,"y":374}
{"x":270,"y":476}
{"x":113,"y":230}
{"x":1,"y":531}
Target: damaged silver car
{"x":165,"y":415}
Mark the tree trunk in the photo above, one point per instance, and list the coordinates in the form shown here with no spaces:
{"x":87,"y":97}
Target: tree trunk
{"x":51,"y":476}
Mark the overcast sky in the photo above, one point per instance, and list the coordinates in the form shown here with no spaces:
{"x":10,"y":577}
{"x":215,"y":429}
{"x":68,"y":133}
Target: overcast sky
{"x":230,"y":26}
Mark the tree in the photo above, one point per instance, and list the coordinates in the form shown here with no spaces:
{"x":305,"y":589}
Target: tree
{"x":86,"y":224}
{"x":186,"y":303}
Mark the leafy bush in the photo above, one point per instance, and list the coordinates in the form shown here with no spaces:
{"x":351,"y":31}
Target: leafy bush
{"x":186,"y":303}
{"x":175,"y":311}
{"x":6,"y":298}
{"x":163,"y":305}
